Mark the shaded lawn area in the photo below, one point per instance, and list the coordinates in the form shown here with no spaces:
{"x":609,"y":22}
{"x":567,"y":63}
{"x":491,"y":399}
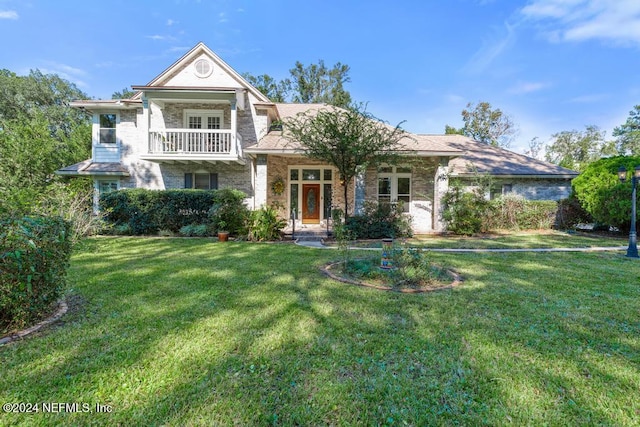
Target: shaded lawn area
{"x":511,"y":240}
{"x":195,"y":332}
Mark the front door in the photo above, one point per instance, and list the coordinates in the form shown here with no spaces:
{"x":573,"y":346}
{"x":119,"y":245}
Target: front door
{"x":310,"y":203}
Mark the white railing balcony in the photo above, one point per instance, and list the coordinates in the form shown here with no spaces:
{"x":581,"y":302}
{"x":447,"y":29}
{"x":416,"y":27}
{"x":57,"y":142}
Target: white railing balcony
{"x":193,"y":141}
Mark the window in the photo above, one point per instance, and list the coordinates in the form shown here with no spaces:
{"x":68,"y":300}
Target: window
{"x":203,"y":119}
{"x":107,"y":132}
{"x":203,"y":68}
{"x":105,"y":187}
{"x":201,"y":180}
{"x":394,"y":185}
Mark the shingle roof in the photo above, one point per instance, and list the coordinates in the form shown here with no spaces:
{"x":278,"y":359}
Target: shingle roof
{"x":274,"y":141}
{"x":88,"y":167}
{"x":484,"y":158}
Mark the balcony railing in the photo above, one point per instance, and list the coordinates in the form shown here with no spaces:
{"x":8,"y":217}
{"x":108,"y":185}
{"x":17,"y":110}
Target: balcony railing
{"x":193,"y":141}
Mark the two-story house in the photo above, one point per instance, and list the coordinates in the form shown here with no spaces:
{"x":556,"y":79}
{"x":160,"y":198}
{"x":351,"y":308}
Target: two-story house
{"x":199,"y":124}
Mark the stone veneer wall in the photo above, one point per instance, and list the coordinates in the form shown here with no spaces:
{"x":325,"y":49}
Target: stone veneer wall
{"x":229,"y":176}
{"x":278,"y":166}
{"x":421,"y":209}
{"x":534,"y":189}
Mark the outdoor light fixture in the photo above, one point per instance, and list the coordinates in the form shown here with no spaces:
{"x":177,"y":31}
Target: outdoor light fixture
{"x":632,"y":251}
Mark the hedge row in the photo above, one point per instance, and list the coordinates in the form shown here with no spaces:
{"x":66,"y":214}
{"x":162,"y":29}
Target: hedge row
{"x":34,"y":256}
{"x":469,"y":213}
{"x":517,"y":213}
{"x":147,"y":211}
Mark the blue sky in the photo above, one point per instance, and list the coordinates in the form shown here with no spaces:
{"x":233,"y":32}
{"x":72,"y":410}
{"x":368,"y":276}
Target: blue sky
{"x":552,"y":65}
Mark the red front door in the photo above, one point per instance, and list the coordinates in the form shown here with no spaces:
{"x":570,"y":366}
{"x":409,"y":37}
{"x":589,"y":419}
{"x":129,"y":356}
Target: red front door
{"x":310,"y":203}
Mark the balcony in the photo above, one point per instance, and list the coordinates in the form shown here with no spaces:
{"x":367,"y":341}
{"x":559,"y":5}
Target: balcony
{"x":209,"y":145}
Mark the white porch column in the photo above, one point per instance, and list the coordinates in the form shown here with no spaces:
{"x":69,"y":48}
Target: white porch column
{"x":234,"y":129}
{"x":359,"y":191}
{"x":146,"y":123}
{"x":441,"y":186}
{"x":260,"y":181}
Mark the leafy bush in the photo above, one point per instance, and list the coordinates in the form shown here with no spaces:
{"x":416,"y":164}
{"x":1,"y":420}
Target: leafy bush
{"x":228,"y":212}
{"x":517,"y":213}
{"x":195,"y":230}
{"x":570,"y":213}
{"x":147,"y":211}
{"x":73,"y":201}
{"x":34,"y":256}
{"x":379,"y":220}
{"x":264,"y":224}
{"x":463,"y":211}
{"x":602,"y":194}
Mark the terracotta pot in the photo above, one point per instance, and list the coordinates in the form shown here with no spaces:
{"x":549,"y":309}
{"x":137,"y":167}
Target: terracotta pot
{"x":223,"y":236}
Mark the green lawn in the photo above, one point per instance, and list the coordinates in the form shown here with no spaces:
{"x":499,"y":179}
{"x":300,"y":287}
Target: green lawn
{"x":195,"y":332}
{"x":530,"y":240}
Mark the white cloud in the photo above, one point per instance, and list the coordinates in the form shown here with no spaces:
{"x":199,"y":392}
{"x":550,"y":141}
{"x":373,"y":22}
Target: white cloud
{"x":158,"y":37}
{"x":65,"y":69}
{"x":527,"y":87}
{"x":171,"y":22}
{"x":8,"y":14}
{"x":491,"y":49}
{"x":222,"y":17}
{"x":580,"y":20}
{"x":589,"y":99}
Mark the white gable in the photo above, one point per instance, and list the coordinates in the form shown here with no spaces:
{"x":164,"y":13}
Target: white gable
{"x":201,"y":67}
{"x":207,"y":73}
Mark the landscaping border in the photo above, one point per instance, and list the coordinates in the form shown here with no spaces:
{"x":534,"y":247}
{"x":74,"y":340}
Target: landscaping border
{"x":62,"y":309}
{"x":457,"y":280}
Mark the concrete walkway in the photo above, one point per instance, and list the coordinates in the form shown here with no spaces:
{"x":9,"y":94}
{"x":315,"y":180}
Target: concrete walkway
{"x":319,"y":245}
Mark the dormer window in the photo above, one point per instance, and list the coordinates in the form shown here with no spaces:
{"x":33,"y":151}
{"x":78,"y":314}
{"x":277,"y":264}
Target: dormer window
{"x":107,"y":128}
{"x":203,"y":68}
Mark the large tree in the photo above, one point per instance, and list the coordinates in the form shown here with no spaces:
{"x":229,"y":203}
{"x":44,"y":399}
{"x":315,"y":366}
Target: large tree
{"x":275,"y":90}
{"x":576,"y":149}
{"x":488,"y":125}
{"x":315,"y":83}
{"x":39,"y":133}
{"x":628,"y":134}
{"x":349,"y":139}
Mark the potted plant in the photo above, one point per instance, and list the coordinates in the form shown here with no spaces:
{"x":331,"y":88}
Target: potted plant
{"x":223,"y":235}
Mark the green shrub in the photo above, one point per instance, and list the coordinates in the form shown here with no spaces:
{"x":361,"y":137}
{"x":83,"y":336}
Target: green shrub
{"x":602,"y":194}
{"x":34,"y":256}
{"x":195,"y":230}
{"x":264,"y":224}
{"x":379,"y":220}
{"x":147,"y":211}
{"x":570,"y":213}
{"x":229,"y":212}
{"x":463,"y":211}
{"x":516,"y":213}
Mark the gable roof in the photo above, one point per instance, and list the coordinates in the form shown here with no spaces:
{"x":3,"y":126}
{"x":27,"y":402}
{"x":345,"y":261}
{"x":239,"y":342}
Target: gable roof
{"x":164,"y":77}
{"x":483,"y":158}
{"x":274,"y":141}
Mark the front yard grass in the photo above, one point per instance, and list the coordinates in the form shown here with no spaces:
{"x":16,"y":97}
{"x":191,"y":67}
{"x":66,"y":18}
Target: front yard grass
{"x":195,"y":332}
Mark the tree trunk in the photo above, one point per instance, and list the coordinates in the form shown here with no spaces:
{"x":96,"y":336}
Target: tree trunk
{"x":346,"y":200}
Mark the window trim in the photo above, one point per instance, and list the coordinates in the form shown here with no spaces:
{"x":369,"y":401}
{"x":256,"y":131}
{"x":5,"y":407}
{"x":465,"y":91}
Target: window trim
{"x":97,"y":128}
{"x":203,"y":114}
{"x":190,"y":179}
{"x":393,"y":176}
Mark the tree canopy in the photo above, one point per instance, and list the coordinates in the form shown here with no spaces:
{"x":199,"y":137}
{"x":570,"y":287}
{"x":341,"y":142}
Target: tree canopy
{"x":487,"y":125}
{"x":125,"y":93}
{"x":628,"y":134}
{"x":576,"y":149}
{"x":601,"y":193}
{"x":347,"y":138}
{"x":39,"y":133}
{"x":315,"y":83}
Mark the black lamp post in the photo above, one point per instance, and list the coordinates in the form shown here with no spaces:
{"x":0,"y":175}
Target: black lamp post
{"x":632,"y":251}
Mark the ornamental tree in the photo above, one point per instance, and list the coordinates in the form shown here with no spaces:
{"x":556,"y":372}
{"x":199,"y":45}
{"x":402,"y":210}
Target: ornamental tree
{"x":350,"y":139}
{"x":602,"y":194}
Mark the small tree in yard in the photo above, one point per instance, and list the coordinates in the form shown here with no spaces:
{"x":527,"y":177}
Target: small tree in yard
{"x":348,"y":139}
